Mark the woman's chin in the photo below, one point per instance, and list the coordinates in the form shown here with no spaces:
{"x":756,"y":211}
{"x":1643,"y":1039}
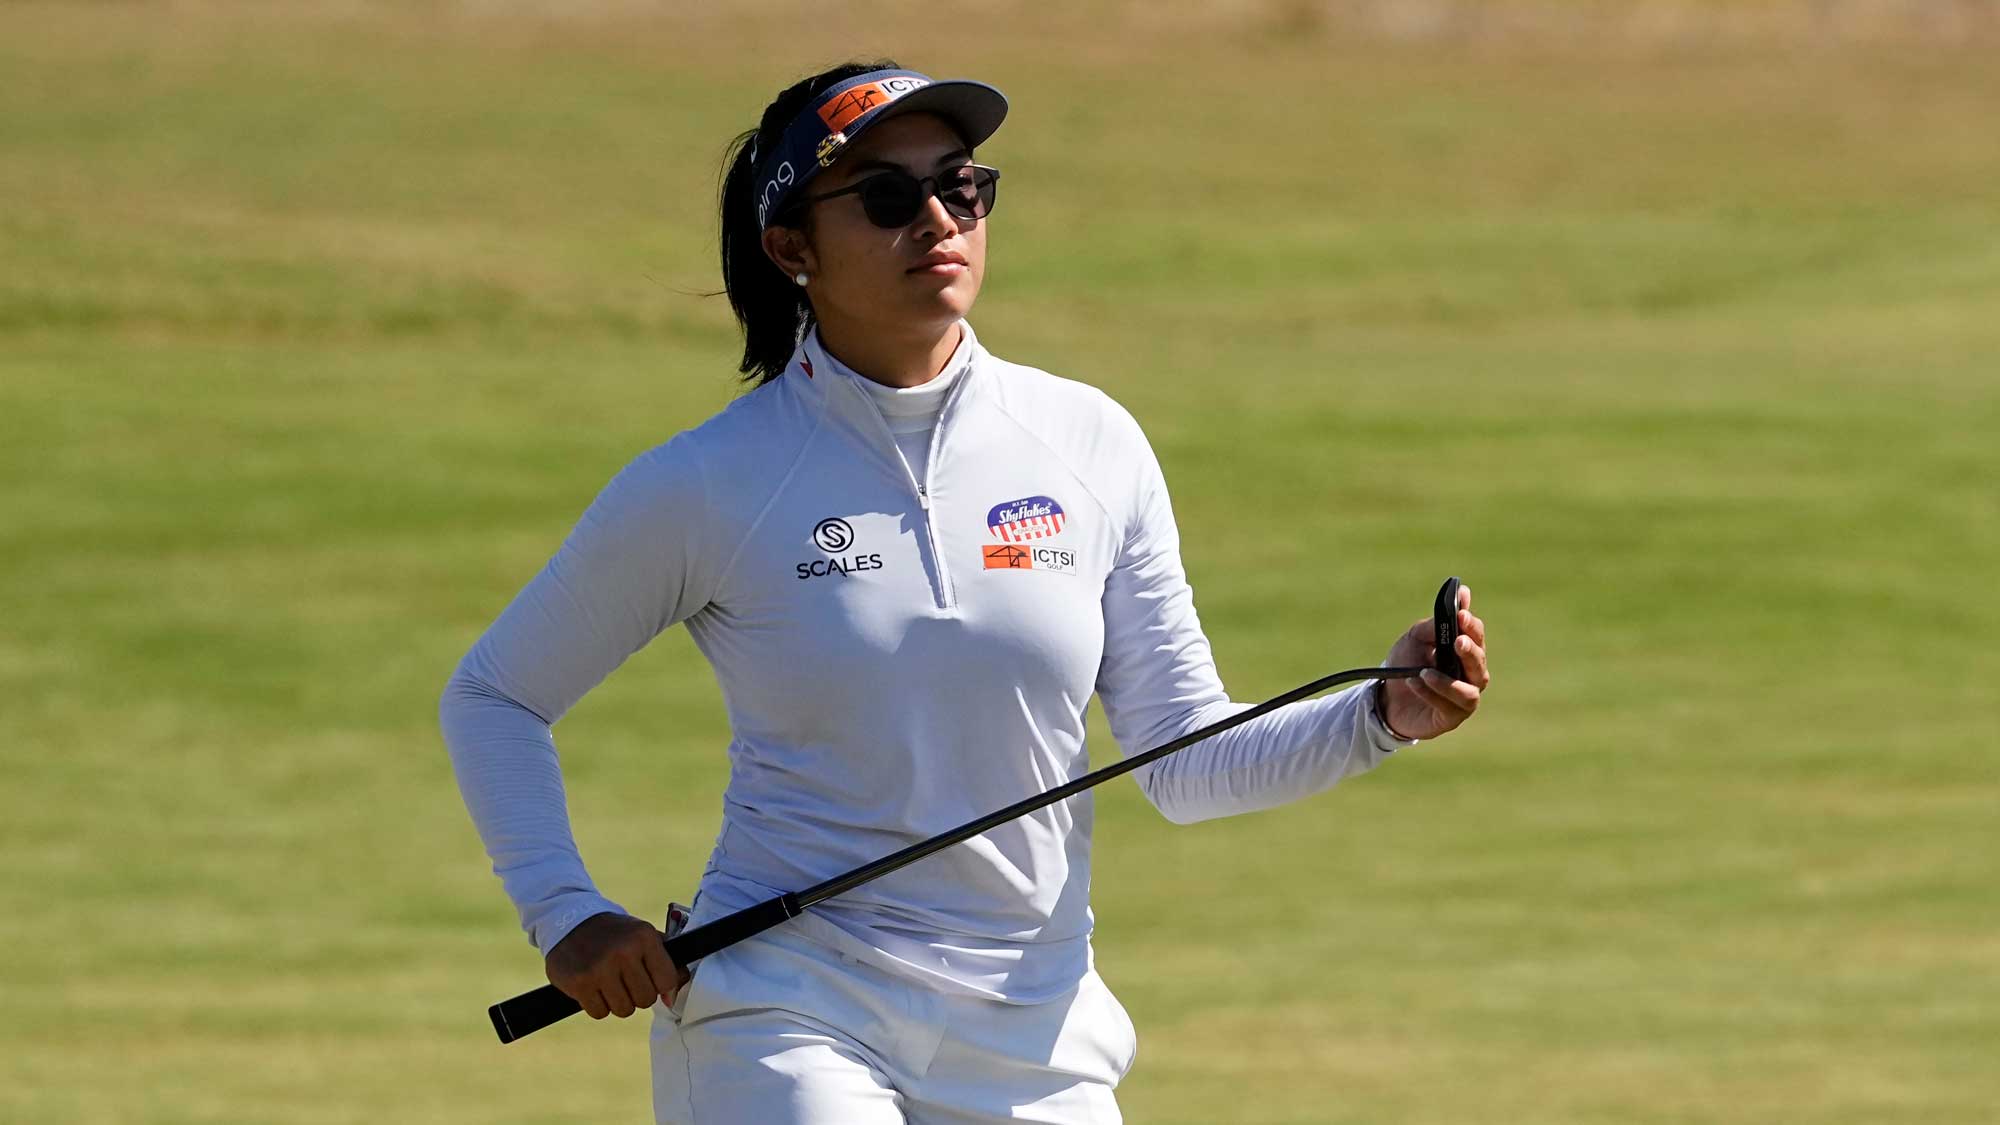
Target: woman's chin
{"x":952,"y":301}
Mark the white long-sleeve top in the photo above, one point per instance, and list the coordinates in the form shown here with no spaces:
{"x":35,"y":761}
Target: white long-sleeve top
{"x":899,"y":651}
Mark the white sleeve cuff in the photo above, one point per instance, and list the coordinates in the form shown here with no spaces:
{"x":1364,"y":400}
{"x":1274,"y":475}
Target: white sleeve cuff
{"x":557,"y":917}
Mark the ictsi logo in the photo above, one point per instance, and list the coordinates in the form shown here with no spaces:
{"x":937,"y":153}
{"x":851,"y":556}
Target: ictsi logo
{"x":1010,"y":556}
{"x":1006,"y":556}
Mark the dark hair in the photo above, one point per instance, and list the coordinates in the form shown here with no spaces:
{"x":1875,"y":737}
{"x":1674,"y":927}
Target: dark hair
{"x":772,"y":310}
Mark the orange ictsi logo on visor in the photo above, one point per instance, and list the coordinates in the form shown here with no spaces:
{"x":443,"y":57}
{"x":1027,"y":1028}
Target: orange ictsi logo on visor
{"x":841,"y":111}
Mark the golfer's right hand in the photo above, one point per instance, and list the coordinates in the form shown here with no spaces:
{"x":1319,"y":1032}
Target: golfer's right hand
{"x":614,"y":964}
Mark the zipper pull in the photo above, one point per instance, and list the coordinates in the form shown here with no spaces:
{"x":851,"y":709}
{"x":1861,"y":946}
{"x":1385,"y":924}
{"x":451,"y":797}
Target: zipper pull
{"x":923,"y":498}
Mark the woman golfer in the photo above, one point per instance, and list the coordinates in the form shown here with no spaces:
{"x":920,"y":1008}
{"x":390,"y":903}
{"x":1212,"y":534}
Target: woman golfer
{"x":911,"y":563}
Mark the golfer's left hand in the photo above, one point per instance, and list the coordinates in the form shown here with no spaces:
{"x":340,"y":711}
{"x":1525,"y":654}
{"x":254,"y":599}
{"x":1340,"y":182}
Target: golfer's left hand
{"x":1432,"y":704}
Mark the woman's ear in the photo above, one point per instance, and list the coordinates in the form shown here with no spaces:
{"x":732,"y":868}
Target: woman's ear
{"x":789,"y":249}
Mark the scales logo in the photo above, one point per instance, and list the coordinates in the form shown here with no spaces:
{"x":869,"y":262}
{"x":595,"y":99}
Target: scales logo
{"x":834,"y":535}
{"x":1031,"y":517}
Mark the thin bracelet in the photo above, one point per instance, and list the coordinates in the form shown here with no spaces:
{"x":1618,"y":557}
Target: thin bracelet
{"x":1379,"y":699}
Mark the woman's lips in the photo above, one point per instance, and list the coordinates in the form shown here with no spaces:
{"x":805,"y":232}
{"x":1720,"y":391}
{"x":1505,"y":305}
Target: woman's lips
{"x":940,"y":263}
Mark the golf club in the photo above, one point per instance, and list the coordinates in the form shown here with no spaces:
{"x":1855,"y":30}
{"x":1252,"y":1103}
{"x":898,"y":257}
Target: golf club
{"x":531,"y":1011}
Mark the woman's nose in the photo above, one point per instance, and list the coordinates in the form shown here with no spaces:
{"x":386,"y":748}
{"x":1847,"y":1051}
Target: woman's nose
{"x":934,"y":218}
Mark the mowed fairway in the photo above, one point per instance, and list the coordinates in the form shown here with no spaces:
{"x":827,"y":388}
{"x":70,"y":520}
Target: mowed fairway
{"x":318,"y":332}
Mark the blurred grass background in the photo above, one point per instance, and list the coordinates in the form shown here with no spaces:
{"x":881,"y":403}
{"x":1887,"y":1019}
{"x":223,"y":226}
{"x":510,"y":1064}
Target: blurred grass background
{"x":1675,"y":329}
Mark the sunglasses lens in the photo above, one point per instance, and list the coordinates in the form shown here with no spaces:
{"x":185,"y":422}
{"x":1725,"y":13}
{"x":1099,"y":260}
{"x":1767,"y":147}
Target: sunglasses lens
{"x":967,"y":192}
{"x":892,"y":199}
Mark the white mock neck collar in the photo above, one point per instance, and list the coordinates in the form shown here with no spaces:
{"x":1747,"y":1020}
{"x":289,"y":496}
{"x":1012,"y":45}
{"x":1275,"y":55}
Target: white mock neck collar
{"x":906,"y":409}
{"x":960,"y":355}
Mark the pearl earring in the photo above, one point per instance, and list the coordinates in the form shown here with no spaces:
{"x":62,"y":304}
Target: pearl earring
{"x":800,"y":277}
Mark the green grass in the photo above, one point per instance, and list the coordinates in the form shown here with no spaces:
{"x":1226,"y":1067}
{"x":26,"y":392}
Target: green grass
{"x":317,"y":332}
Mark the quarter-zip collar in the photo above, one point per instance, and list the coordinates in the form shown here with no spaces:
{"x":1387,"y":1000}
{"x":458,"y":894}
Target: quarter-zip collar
{"x":835,"y":388}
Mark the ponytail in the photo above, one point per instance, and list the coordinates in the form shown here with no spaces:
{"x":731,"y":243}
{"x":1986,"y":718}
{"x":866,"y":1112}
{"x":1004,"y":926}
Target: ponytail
{"x":771,"y":309}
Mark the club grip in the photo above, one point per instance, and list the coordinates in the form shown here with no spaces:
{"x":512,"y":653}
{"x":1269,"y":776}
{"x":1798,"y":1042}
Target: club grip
{"x":531,"y":1011}
{"x":1444,"y":619}
{"x":536,"y":1009}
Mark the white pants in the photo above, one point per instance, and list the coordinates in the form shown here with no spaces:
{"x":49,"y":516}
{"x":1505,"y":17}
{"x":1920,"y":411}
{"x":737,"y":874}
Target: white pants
{"x":781,"y":1029}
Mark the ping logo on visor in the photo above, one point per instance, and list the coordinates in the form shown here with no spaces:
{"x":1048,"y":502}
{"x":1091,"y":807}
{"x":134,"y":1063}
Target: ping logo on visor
{"x":1031,"y":517}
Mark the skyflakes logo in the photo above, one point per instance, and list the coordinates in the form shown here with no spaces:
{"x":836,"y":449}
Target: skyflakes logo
{"x":1031,"y":517}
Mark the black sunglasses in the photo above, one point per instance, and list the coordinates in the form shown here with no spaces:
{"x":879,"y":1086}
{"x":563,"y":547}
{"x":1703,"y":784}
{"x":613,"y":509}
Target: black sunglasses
{"x":894,"y":198}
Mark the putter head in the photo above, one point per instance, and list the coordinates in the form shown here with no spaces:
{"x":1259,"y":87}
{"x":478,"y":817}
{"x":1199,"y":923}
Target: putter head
{"x":1444,"y":619}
